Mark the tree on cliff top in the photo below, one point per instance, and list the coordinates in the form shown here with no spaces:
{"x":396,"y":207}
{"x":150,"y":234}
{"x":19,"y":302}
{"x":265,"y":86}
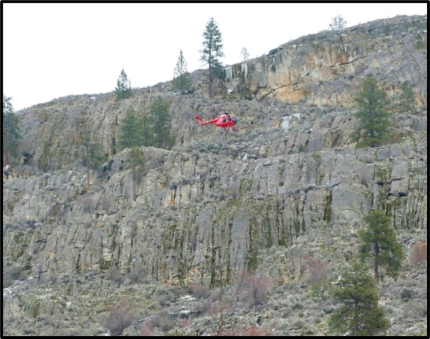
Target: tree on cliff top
{"x":181,"y":80}
{"x":245,"y":53}
{"x":212,"y":50}
{"x":338,"y":24}
{"x":11,"y":134}
{"x":373,"y":114}
{"x":123,"y":89}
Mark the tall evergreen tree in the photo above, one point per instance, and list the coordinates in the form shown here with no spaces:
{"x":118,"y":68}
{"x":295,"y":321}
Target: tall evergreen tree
{"x":135,"y":129}
{"x":129,"y":131}
{"x":379,"y":242}
{"x":161,"y":123}
{"x":360,"y":313}
{"x":405,"y":101}
{"x":11,"y":134}
{"x":134,"y":132}
{"x":372,"y":114}
{"x":181,"y":80}
{"x":146,"y":129}
{"x":212,"y":50}
{"x":123,"y":87}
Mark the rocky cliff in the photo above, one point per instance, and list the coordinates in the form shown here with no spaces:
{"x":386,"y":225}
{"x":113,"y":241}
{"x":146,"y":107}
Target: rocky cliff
{"x":287,"y":185}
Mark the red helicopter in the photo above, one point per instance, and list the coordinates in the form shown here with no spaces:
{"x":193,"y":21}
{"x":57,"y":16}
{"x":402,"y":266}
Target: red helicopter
{"x":224,"y":120}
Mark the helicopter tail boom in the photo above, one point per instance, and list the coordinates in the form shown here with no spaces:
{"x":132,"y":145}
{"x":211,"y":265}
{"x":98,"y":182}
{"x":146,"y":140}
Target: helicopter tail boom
{"x":199,"y":119}
{"x":205,"y":122}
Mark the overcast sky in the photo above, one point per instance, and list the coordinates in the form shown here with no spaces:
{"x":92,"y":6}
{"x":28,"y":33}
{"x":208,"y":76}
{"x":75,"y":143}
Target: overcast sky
{"x":55,"y":50}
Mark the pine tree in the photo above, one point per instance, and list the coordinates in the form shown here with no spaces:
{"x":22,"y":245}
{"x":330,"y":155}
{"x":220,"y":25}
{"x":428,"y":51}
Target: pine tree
{"x":123,"y":89}
{"x":181,"y":80}
{"x":405,"y":101}
{"x":379,"y":242}
{"x":11,"y":134}
{"x":360,"y":313}
{"x":212,"y":50}
{"x":373,"y":114}
{"x":91,"y":154}
{"x":134,"y":132}
{"x":146,"y":129}
{"x":161,"y":123}
{"x":129,"y":132}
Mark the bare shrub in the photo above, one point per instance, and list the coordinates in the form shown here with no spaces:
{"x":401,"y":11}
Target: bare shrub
{"x":11,"y":273}
{"x":233,"y":332}
{"x":213,"y":309}
{"x":120,"y":317}
{"x":317,"y":269}
{"x":153,"y":161}
{"x":7,"y":280}
{"x":215,"y":295}
{"x":248,"y":331}
{"x":146,"y":331}
{"x":203,"y":173}
{"x":175,"y":292}
{"x":54,"y":320}
{"x":185,"y":324}
{"x":163,"y":320}
{"x":365,"y":176}
{"x":163,"y":301}
{"x":201,"y":292}
{"x":254,"y":331}
{"x":204,"y":306}
{"x":48,"y":278}
{"x":418,"y":252}
{"x":253,"y":290}
{"x":193,"y":241}
{"x":138,"y":273}
{"x":67,"y":332}
{"x":221,"y":196}
{"x":115,"y":275}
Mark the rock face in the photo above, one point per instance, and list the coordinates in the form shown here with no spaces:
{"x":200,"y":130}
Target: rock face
{"x":325,"y":68}
{"x":217,"y":204}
